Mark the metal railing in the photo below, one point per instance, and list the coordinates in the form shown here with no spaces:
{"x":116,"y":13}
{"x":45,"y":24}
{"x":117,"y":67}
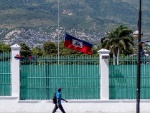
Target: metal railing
{"x":5,"y":82}
{"x":123,"y":78}
{"x":77,"y":75}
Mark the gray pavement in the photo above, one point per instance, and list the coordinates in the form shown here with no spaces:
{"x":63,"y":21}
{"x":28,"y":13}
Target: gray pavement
{"x":75,"y":112}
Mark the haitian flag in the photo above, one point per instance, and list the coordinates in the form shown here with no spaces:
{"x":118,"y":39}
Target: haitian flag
{"x":18,"y":56}
{"x":31,"y":58}
{"x":77,"y":44}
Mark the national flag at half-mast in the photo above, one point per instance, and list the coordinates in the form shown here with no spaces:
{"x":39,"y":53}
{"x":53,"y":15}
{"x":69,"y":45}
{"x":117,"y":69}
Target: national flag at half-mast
{"x":77,"y":44}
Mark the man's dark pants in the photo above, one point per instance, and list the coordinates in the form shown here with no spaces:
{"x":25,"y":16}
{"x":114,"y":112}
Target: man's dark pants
{"x":60,"y":107}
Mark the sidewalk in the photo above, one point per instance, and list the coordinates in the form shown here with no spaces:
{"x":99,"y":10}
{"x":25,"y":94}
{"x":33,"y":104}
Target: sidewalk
{"x":75,"y":112}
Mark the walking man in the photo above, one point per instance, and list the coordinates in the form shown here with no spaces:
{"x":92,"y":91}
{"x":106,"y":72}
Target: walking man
{"x":58,"y":103}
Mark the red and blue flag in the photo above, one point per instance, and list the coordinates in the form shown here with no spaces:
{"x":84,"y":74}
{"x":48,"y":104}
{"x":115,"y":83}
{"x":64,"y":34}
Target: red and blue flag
{"x":18,"y":56}
{"x":77,"y":44}
{"x":31,"y":58}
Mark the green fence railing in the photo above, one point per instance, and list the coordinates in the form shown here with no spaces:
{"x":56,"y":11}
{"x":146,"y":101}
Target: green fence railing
{"x":5,"y":82}
{"x":78,"y":77}
{"x":123,"y":79}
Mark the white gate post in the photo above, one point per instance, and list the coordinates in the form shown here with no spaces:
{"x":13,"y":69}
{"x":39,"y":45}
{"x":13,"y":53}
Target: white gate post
{"x":15,"y":71}
{"x":104,"y":73}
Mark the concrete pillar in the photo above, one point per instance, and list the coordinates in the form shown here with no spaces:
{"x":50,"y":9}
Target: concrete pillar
{"x":15,"y":70}
{"x":104,"y":73}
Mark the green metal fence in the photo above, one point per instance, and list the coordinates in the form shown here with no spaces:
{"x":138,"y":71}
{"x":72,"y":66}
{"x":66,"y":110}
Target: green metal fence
{"x":78,"y":77}
{"x":5,"y":82}
{"x":123,"y":78}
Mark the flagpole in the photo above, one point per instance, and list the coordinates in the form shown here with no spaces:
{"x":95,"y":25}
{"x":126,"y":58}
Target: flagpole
{"x":58,"y":32}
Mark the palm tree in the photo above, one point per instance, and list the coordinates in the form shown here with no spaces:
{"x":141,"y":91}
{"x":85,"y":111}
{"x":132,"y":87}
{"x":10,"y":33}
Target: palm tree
{"x":118,"y":40}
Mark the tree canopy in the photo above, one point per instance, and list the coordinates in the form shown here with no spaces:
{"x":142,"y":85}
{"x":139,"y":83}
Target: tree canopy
{"x":25,"y":50}
{"x":118,"y":41}
{"x":4,"y":47}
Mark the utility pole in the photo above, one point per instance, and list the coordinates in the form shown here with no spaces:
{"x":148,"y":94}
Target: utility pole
{"x":139,"y":60}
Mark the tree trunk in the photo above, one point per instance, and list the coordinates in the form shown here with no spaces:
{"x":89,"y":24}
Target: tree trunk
{"x":114,"y":58}
{"x":118,"y":56}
